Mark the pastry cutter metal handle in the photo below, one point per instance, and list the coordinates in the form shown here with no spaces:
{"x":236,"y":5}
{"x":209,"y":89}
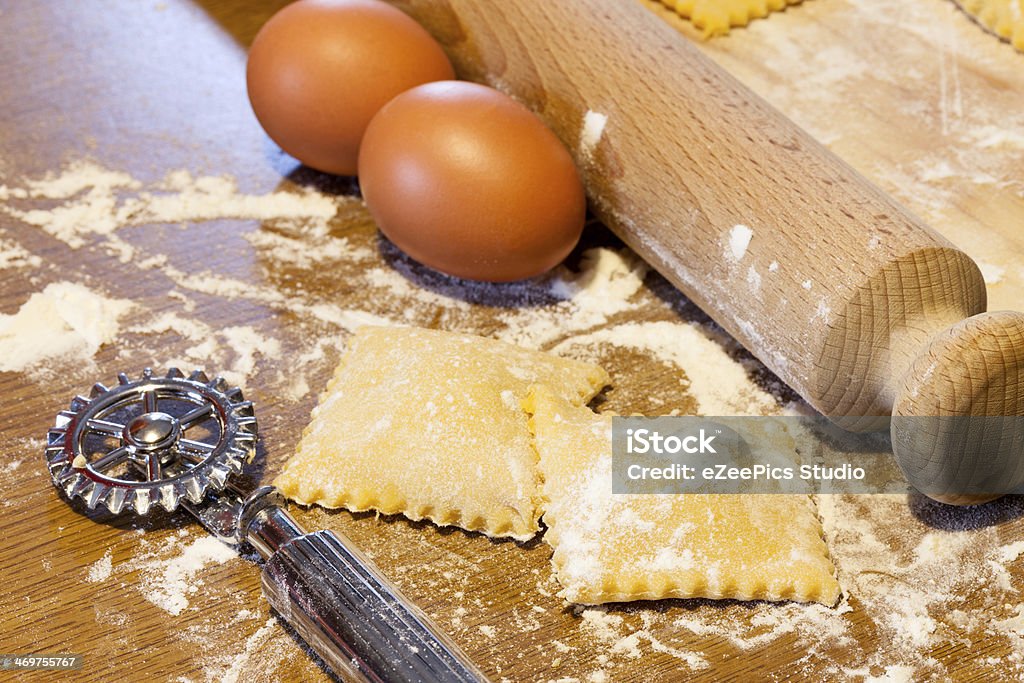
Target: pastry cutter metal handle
{"x":177,"y":440}
{"x":342,"y":605}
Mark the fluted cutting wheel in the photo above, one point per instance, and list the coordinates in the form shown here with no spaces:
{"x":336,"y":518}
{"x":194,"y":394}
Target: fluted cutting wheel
{"x":151,"y":441}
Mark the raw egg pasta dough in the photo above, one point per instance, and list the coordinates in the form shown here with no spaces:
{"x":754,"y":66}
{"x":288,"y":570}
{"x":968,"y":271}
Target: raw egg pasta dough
{"x":1004,"y":18}
{"x":612,"y":548}
{"x":715,"y":17}
{"x":429,"y":424}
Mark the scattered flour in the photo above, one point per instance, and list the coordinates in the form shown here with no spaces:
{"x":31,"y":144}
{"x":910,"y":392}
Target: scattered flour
{"x":101,"y":569}
{"x":169,"y":321}
{"x":908,"y":573}
{"x":182,"y":198}
{"x":348,"y":319}
{"x":231,"y":351}
{"x":989,"y":136}
{"x":97,"y":202}
{"x":10,"y":467}
{"x":224,"y":287}
{"x":253,"y":645}
{"x":739,"y":240}
{"x":611,"y":631}
{"x":992,"y":273}
{"x":605,"y":286}
{"x":1010,"y":552}
{"x":893,"y":674}
{"x":720,"y":385}
{"x":66,"y":321}
{"x":246,"y":343}
{"x":395,"y":284}
{"x":168,"y":583}
{"x":895,"y":569}
{"x":607,"y":280}
{"x":953,"y":126}
{"x":753,"y":279}
{"x":13,"y":255}
{"x":306,"y":250}
{"x":591,"y":132}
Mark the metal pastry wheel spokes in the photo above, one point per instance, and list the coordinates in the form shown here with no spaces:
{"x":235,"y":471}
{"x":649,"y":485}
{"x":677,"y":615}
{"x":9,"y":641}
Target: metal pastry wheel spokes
{"x":178,"y":440}
{"x":149,"y":441}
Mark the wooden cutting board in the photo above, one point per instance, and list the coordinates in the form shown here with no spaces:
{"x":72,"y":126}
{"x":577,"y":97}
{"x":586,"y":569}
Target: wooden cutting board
{"x":912,"y":94}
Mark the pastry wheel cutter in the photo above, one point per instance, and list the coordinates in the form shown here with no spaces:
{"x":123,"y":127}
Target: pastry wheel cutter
{"x":173,"y":441}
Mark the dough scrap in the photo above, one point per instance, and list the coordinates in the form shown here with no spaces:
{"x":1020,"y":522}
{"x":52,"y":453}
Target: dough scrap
{"x":1004,"y":18}
{"x":429,"y":424}
{"x":612,"y":548}
{"x":715,"y":17}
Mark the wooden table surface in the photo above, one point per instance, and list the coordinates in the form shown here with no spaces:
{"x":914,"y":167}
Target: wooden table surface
{"x":912,"y":94}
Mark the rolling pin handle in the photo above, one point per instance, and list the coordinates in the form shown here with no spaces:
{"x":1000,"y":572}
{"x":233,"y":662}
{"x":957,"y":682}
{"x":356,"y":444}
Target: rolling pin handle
{"x":342,"y":606}
{"x":958,"y":416}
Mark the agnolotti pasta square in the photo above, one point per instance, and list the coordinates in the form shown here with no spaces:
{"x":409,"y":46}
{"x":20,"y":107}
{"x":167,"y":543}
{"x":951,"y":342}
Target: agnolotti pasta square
{"x":429,"y":424}
{"x":611,"y":548}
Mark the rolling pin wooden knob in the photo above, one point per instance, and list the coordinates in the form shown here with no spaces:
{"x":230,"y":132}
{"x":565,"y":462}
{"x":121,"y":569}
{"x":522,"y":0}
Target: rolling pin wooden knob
{"x":838,"y":289}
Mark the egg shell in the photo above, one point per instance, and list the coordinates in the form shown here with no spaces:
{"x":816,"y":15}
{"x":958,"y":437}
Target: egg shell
{"x":319,"y":70}
{"x":469,"y":182}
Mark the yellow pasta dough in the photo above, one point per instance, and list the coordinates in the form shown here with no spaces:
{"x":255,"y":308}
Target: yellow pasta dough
{"x":1004,"y":18}
{"x":429,"y":424}
{"x":610,"y":548}
{"x":715,"y":17}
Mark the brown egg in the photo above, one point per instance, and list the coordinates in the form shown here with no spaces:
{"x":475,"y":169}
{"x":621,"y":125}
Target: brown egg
{"x":320,"y":69}
{"x":468,"y":181}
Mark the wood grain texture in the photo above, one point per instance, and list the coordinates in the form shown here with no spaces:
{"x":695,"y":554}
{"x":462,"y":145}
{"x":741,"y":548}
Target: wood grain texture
{"x":962,"y":420}
{"x":149,"y":87}
{"x":836,"y":286}
{"x":687,"y":154}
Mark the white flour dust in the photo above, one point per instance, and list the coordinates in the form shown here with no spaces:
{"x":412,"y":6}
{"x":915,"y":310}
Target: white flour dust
{"x":893,"y":565}
{"x":101,"y":569}
{"x":13,"y":255}
{"x":591,"y":132}
{"x":604,"y":287}
{"x":720,"y":385}
{"x":739,"y":240}
{"x":92,"y":202}
{"x":66,"y":320}
{"x":949,"y":144}
{"x":171,"y":572}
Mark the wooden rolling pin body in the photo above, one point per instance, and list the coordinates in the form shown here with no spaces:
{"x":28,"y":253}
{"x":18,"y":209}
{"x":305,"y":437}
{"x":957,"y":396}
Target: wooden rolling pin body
{"x":831,"y":283}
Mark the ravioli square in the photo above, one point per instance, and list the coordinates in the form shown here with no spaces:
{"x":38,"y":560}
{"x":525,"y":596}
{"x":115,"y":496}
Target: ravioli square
{"x":715,"y":17}
{"x":430,"y":424}
{"x":621,"y":547}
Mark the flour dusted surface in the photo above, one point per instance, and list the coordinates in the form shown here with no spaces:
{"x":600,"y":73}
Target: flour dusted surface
{"x":611,"y":548}
{"x":66,"y":321}
{"x":428,"y":424}
{"x":97,"y":202}
{"x":307,"y":283}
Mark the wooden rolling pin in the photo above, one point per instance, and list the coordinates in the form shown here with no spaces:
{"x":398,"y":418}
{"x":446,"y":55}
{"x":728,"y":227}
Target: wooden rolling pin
{"x":843,"y":293}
